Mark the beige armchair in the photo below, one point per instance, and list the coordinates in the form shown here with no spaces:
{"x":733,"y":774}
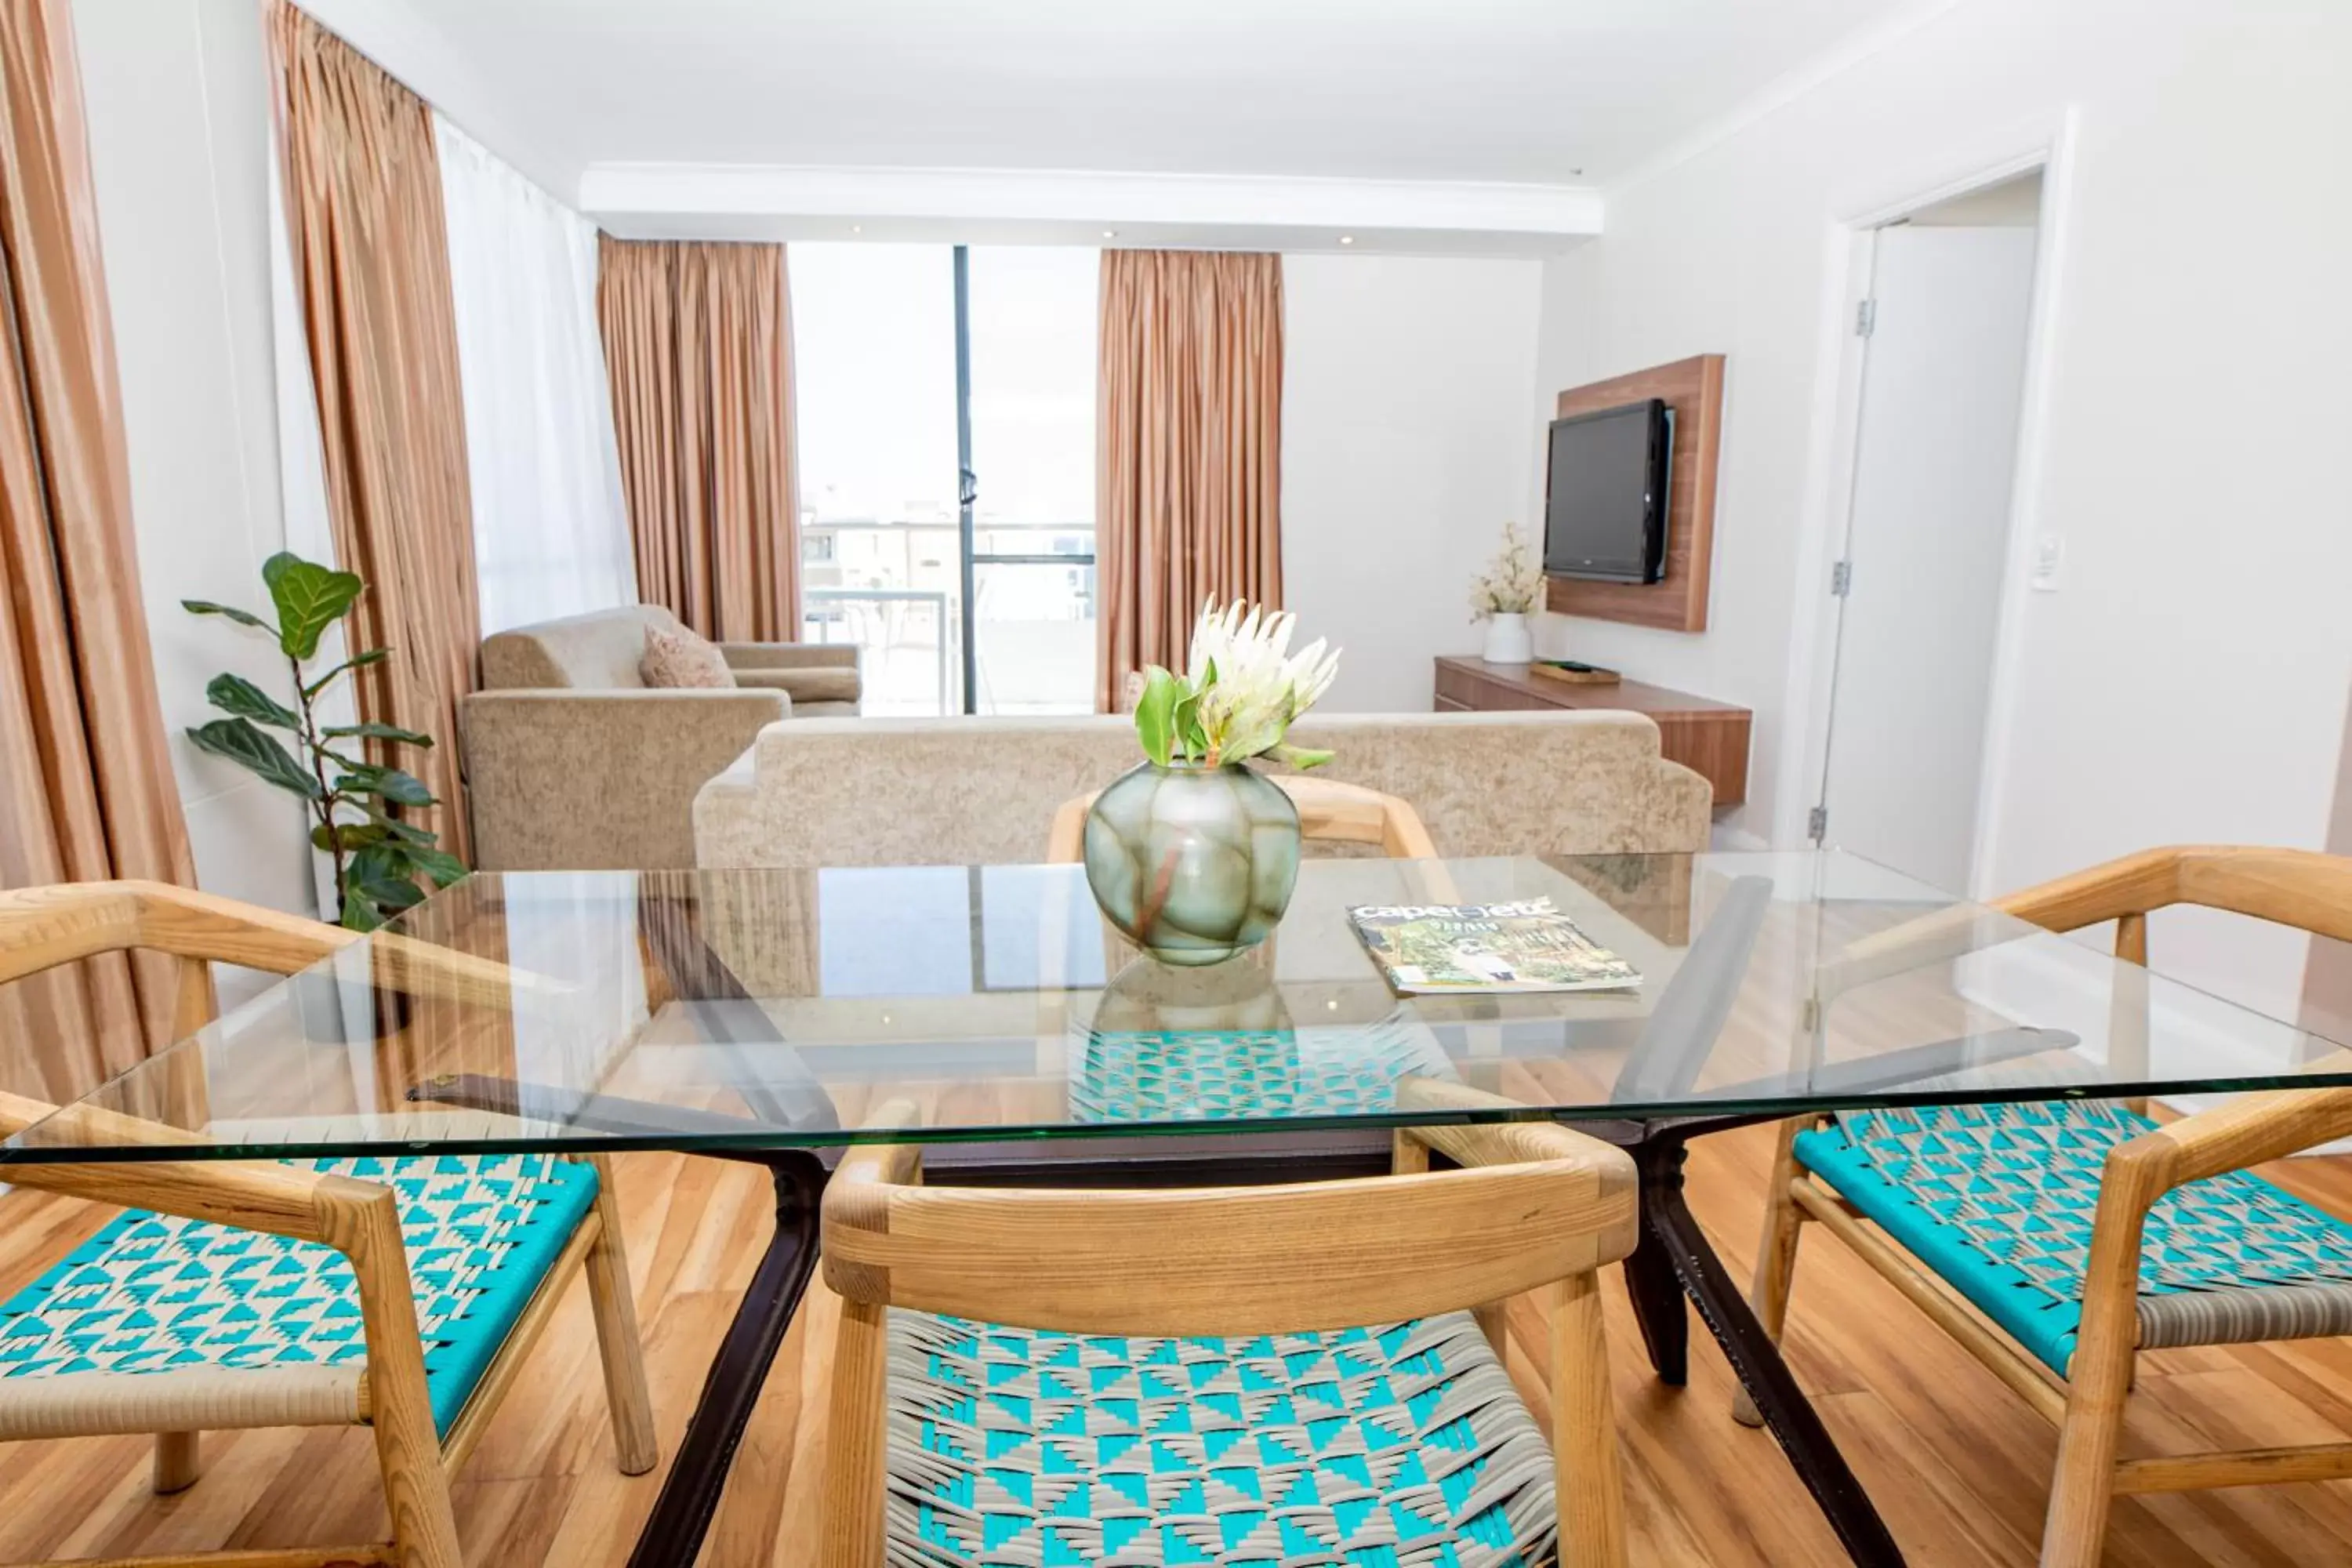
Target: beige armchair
{"x":572,"y":763}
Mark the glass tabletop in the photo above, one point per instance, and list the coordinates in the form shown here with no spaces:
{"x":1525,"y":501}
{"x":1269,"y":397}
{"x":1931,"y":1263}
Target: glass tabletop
{"x":747,"y":1009}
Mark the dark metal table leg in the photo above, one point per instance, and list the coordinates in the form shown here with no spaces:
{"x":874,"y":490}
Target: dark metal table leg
{"x":1651,"y":1278}
{"x":689,"y":1495}
{"x":1669,"y":1230}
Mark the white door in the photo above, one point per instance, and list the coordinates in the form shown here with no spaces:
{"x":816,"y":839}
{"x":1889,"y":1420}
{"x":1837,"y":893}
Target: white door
{"x":1942,"y":381}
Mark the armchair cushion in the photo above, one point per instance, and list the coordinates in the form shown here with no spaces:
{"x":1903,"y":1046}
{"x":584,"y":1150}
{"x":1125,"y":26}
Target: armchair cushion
{"x":806,"y":683}
{"x":154,"y":1294}
{"x":677,"y":658}
{"x":1999,"y":1201}
{"x":1404,"y":1443}
{"x":790,"y":655}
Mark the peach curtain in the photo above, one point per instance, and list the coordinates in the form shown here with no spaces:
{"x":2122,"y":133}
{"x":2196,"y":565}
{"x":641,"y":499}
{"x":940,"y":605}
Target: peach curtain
{"x":1188,"y":474}
{"x":697,"y":341}
{"x":372,"y":260}
{"x":85,"y":784}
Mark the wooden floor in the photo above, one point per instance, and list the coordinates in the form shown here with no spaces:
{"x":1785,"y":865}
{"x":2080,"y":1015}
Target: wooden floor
{"x":1957,"y":1464}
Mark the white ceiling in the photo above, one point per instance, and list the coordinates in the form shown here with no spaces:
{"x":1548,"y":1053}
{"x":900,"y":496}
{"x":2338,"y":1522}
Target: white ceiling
{"x":1546,"y":92}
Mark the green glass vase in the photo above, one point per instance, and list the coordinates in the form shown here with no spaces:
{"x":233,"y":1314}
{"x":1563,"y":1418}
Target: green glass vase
{"x":1195,"y":863}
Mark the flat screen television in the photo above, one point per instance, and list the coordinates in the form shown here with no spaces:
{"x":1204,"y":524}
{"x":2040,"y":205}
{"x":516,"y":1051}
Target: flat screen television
{"x":1605,"y":494}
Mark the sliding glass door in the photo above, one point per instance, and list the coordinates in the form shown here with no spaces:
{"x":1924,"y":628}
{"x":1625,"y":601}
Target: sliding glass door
{"x":946,"y":401}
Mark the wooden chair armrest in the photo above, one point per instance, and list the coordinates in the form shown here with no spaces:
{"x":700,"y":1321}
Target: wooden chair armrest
{"x":2245,"y":1132}
{"x":99,"y":1124}
{"x":280,"y":1200}
{"x":1066,"y":841}
{"x":1499,"y":1143}
{"x":186,"y":924}
{"x":2133,"y":885}
{"x":82,"y":920}
{"x":883,"y":1164}
{"x":1931,"y":938}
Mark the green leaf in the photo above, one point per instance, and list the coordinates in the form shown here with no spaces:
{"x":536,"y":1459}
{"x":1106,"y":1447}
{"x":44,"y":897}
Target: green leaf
{"x":406,"y":832}
{"x":238,"y":741}
{"x":1155,"y":712}
{"x":388,"y":894}
{"x":377,"y":863}
{"x":1185,"y":724}
{"x":357,"y":661}
{"x":358,"y":913}
{"x":372,"y":731}
{"x":242,"y":617}
{"x":442,"y":867}
{"x":1300,"y":757}
{"x":381,"y":875}
{"x":309,"y":599}
{"x":235,"y":694}
{"x":390,"y":784}
{"x":348,"y":836}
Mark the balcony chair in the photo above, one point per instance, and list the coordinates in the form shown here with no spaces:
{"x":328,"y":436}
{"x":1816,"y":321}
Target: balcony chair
{"x":2055,"y":1241}
{"x":399,"y":1294}
{"x":1187,"y":1376}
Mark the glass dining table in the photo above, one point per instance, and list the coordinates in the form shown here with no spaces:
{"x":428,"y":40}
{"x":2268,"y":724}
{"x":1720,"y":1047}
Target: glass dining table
{"x":763,"y":1016}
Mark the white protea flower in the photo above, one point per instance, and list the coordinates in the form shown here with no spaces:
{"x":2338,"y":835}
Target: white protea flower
{"x":1241,"y":688}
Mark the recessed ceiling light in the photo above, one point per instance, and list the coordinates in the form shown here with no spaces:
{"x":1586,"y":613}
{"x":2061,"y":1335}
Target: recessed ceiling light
{"x":857,"y":228}
{"x":1347,"y":239}
{"x":1110,"y":234}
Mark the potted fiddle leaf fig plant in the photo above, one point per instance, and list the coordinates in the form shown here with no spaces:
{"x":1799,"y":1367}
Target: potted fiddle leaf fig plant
{"x":1191,"y":853}
{"x":384,"y":863}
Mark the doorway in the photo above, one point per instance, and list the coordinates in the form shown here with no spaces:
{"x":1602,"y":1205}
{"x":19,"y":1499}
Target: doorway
{"x":1923,"y":571}
{"x":945,"y":399}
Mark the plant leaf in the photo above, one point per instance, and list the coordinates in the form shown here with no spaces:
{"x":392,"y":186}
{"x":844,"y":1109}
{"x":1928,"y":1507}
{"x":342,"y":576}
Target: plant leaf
{"x":357,"y":661}
{"x":238,"y":741}
{"x":1300,"y":757}
{"x":309,"y":599}
{"x":390,"y":783}
{"x":348,"y":836}
{"x":242,"y":617}
{"x":235,"y":694}
{"x":1185,"y":723}
{"x":359,"y":914}
{"x":1155,"y":712}
{"x":442,"y":867}
{"x":373,"y":732}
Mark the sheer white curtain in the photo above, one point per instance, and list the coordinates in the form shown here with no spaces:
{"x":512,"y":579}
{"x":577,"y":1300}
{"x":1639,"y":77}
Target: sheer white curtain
{"x":551,"y":528}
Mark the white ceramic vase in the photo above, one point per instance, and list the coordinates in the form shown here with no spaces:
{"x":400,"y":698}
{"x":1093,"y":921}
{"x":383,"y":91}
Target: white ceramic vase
{"x":1509,"y":641}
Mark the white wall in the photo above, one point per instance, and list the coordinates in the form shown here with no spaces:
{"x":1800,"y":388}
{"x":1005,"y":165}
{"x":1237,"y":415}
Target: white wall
{"x":1405,"y":440}
{"x":178,"y":110}
{"x":2188,"y":682}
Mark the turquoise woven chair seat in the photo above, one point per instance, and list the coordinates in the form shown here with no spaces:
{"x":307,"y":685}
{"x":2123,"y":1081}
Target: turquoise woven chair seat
{"x":152,"y":1293}
{"x":1403,"y":1446}
{"x":1999,"y":1201}
{"x":1213,"y":1074}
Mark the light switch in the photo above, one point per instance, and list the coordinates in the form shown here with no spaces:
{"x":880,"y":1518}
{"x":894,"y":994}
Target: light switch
{"x":2049,"y":562}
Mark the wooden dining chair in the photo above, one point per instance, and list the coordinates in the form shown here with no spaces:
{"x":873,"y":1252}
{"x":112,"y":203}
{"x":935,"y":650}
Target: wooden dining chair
{"x":1327,"y":810}
{"x":399,"y":1294}
{"x":2055,"y":1241}
{"x":1223,"y":1375}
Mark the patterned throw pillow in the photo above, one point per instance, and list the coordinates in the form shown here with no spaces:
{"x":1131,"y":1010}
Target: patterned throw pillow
{"x":676,"y":658}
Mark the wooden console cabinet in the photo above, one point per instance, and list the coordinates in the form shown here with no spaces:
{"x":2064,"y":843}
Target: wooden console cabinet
{"x":1707,"y":737}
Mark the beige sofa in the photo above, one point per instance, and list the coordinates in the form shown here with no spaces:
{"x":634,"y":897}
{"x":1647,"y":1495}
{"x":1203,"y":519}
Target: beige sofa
{"x":572,"y":763}
{"x":967,"y":790}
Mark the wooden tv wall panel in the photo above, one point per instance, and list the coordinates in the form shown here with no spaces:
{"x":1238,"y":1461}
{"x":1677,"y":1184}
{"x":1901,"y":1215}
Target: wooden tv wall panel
{"x":1693,"y":388}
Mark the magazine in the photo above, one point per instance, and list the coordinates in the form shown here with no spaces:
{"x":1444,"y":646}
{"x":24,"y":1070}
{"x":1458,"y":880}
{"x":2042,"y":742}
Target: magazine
{"x":1471,"y":948}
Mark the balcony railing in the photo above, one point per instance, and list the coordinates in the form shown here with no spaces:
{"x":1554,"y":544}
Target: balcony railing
{"x":895,"y":590}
